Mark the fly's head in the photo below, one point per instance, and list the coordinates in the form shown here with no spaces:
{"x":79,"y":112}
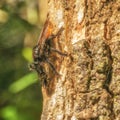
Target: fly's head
{"x":35,"y":64}
{"x":36,"y":51}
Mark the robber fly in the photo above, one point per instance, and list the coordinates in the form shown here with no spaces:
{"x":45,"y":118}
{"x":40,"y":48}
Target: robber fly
{"x":42,"y":51}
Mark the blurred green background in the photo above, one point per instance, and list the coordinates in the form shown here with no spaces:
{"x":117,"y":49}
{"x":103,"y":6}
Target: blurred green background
{"x":20,"y":25}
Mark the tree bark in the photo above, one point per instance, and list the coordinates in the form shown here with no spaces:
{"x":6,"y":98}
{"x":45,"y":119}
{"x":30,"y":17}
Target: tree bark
{"x":88,"y":85}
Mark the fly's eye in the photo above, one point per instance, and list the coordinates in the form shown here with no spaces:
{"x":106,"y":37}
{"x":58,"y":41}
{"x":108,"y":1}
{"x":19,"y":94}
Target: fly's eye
{"x":36,"y":56}
{"x":36,"y":51}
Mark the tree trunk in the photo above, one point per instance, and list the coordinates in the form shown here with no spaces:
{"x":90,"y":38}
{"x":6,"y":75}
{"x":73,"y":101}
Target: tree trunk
{"x":88,"y":85}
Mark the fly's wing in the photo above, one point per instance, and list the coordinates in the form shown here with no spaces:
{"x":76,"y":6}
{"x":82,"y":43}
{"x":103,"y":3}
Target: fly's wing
{"x":45,"y":33}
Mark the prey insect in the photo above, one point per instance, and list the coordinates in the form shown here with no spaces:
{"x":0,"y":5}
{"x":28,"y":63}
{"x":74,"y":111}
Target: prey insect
{"x":41,"y":53}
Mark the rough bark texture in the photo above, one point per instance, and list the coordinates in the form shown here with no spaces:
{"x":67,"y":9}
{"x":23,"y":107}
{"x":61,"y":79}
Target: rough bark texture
{"x":89,"y":85}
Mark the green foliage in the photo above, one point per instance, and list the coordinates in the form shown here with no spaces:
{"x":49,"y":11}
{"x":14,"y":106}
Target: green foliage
{"x":27,"y":53}
{"x":10,"y":113}
{"x":20,"y":95}
{"x":23,"y":83}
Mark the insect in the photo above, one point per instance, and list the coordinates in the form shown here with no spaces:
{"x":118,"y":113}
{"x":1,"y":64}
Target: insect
{"x":42,"y":51}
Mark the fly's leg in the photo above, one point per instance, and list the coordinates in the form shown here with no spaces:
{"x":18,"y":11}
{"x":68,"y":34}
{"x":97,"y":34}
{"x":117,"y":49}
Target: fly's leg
{"x":54,"y":36}
{"x":59,"y":52}
{"x":31,"y":66}
{"x":52,"y":66}
{"x":58,"y":33}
